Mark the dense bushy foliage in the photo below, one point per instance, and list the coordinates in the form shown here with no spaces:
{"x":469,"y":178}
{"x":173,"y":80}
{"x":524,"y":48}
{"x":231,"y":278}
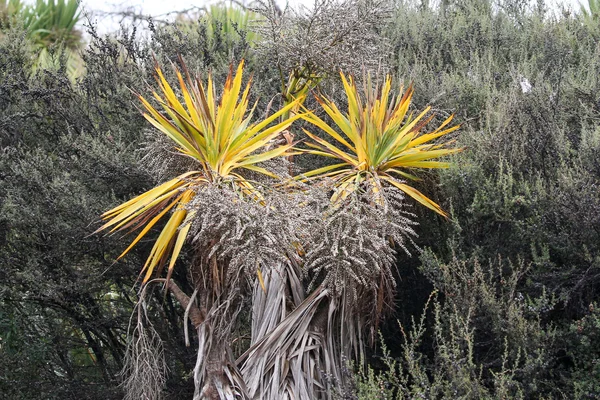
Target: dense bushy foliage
{"x":66,"y":157}
{"x":524,"y":193}
{"x":63,"y":307}
{"x":515,"y":271}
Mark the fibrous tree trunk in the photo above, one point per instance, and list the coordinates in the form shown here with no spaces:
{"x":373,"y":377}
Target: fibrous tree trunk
{"x":287,"y":361}
{"x":216,"y":376}
{"x":305,"y":354}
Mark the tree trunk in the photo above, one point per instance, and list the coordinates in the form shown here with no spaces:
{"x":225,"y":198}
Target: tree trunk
{"x":285,"y":360}
{"x":215,"y":375}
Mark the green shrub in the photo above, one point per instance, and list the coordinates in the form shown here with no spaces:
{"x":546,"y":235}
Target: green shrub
{"x":525,"y":190}
{"x":478,"y":337}
{"x":515,"y":270}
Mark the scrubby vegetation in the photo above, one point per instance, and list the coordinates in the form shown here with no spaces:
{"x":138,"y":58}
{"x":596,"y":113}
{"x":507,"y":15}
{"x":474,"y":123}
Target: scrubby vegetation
{"x":499,"y":300}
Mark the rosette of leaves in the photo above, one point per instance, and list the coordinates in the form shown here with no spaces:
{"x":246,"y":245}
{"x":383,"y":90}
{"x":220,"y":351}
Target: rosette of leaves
{"x":377,"y":142}
{"x":225,"y":24}
{"x":232,"y":21}
{"x":594,"y":10}
{"x":48,"y":24}
{"x":218,"y":136}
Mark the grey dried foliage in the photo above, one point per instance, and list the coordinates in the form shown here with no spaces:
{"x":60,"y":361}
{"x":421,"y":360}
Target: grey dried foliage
{"x":287,"y":362}
{"x":353,"y":250}
{"x":160,"y":157}
{"x":215,"y":374}
{"x":325,"y":38}
{"x":144,"y":368}
{"x":245,"y":233}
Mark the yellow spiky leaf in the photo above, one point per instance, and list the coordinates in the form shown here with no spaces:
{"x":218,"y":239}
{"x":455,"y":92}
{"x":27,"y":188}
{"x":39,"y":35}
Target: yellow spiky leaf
{"x":376,"y":140}
{"x":214,"y":130}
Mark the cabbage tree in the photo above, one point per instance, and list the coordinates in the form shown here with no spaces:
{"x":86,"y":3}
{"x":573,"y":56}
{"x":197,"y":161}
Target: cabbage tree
{"x":375,"y":148}
{"x":219,"y":203}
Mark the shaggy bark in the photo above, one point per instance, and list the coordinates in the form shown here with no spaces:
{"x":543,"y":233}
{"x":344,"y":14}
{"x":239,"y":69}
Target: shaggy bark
{"x":215,"y":375}
{"x":196,"y":315}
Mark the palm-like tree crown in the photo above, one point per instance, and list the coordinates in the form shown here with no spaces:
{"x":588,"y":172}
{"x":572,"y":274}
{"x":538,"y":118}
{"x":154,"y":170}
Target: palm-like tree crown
{"x":376,"y":141}
{"x":219,"y":136}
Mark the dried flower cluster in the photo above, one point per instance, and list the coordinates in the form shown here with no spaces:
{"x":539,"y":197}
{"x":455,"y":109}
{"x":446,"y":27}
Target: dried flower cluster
{"x":160,"y":159}
{"x":330,"y":36}
{"x":352,"y":250}
{"x":247,"y":234}
{"x":144,"y":365}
